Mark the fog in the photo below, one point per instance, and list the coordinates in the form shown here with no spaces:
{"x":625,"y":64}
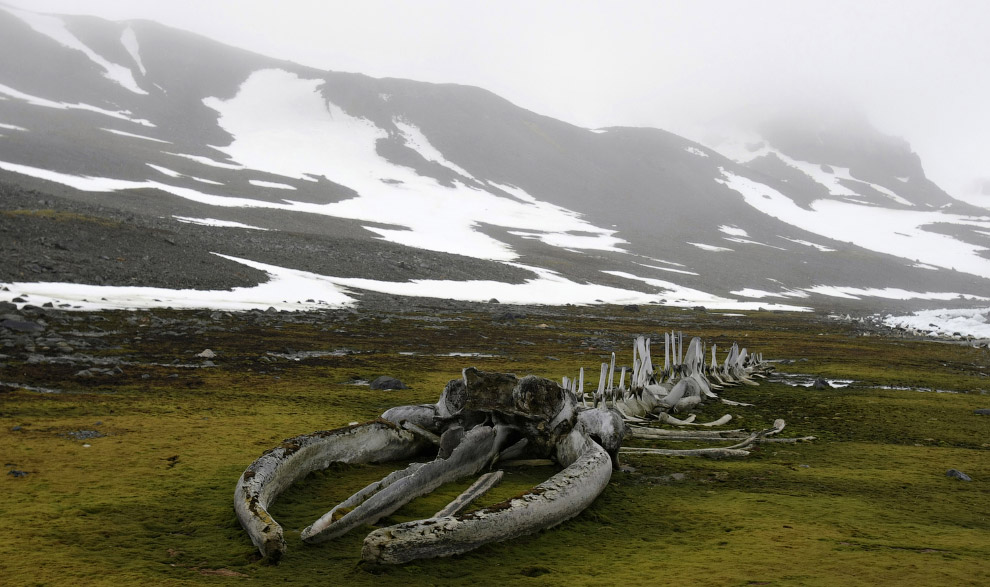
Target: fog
{"x":917,"y":69}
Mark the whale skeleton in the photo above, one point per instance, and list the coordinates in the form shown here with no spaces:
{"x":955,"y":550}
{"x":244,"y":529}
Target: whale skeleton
{"x":484,"y":421}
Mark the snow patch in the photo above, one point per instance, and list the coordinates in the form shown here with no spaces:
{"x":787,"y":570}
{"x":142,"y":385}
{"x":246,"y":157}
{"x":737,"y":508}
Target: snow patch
{"x":821,"y":248}
{"x":207,"y":181}
{"x":164,"y":170}
{"x":129,"y":40}
{"x":696,"y":151}
{"x":207,"y":161}
{"x":301,"y":135}
{"x":747,"y":241}
{"x":215,"y":222}
{"x":688,"y":297}
{"x":134,"y":136}
{"x":283,"y":285}
{"x":271,"y":184}
{"x":973,"y":322}
{"x":895,"y":232}
{"x":12,"y":127}
{"x":669,"y":269}
{"x":890,"y":293}
{"x":711,"y":248}
{"x":760,"y":294}
{"x":54,"y":27}
{"x":46,"y":103}
{"x":733,"y":230}
{"x":417,"y":141}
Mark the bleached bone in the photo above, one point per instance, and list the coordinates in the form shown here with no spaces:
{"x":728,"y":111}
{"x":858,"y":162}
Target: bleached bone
{"x":560,"y":498}
{"x":664,"y":434}
{"x":688,"y":452}
{"x":474,"y":422}
{"x":295,"y":458}
{"x":476,"y":490}
{"x":422,"y":432}
{"x":668,"y":419}
{"x":470,"y":456}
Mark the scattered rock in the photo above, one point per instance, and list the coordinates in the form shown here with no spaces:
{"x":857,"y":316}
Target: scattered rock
{"x":17,"y":473}
{"x":385,"y":382}
{"x":954,"y":473}
{"x":821,"y":383}
{"x":84,"y":434}
{"x":493,"y":301}
{"x":631,"y":308}
{"x":982,"y":412}
{"x":21,"y":326}
{"x":207,"y":354}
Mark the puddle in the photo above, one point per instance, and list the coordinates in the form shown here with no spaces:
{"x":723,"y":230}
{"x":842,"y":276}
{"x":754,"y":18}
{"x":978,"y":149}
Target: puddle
{"x":805,"y":380}
{"x":300,"y":355}
{"x":30,"y":387}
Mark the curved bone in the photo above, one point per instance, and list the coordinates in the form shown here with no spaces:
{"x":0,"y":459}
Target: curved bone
{"x":668,"y":419}
{"x":476,"y":490}
{"x":295,"y":458}
{"x":664,"y":434}
{"x":560,"y":498}
{"x":716,"y":453}
{"x":470,"y":456}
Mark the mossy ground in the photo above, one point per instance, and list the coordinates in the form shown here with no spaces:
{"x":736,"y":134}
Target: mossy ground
{"x":151,"y":501}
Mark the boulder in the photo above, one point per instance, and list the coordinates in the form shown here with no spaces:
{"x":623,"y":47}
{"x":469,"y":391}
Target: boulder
{"x":956,"y":474}
{"x":386,"y":382}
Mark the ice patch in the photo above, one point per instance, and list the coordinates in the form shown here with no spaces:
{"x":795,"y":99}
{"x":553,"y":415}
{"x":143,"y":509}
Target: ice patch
{"x":895,"y":232}
{"x":129,"y":40}
{"x":46,"y":103}
{"x":216,"y":222}
{"x":134,"y":136}
{"x":271,"y":184}
{"x":711,"y":248}
{"x":53,"y":27}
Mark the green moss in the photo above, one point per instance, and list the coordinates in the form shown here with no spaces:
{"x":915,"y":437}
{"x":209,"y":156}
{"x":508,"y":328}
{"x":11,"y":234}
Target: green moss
{"x":151,"y":501}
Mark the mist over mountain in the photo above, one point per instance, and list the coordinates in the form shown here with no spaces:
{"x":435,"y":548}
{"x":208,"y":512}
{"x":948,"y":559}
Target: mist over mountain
{"x":320,"y":185}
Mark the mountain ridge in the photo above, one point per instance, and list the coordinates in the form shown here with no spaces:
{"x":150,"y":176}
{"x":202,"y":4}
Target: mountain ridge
{"x":221,"y":132}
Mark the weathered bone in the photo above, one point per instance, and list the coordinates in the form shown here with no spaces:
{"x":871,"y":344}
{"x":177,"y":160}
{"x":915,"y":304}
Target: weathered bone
{"x":560,"y":498}
{"x":476,"y":490}
{"x":476,"y":450}
{"x":473,"y":422}
{"x":295,"y":458}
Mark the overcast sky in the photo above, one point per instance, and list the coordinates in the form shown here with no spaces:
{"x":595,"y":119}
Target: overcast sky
{"x":918,"y":69}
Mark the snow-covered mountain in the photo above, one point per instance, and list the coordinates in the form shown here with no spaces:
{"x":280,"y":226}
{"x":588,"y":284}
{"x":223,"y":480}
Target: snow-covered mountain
{"x":504,"y":202}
